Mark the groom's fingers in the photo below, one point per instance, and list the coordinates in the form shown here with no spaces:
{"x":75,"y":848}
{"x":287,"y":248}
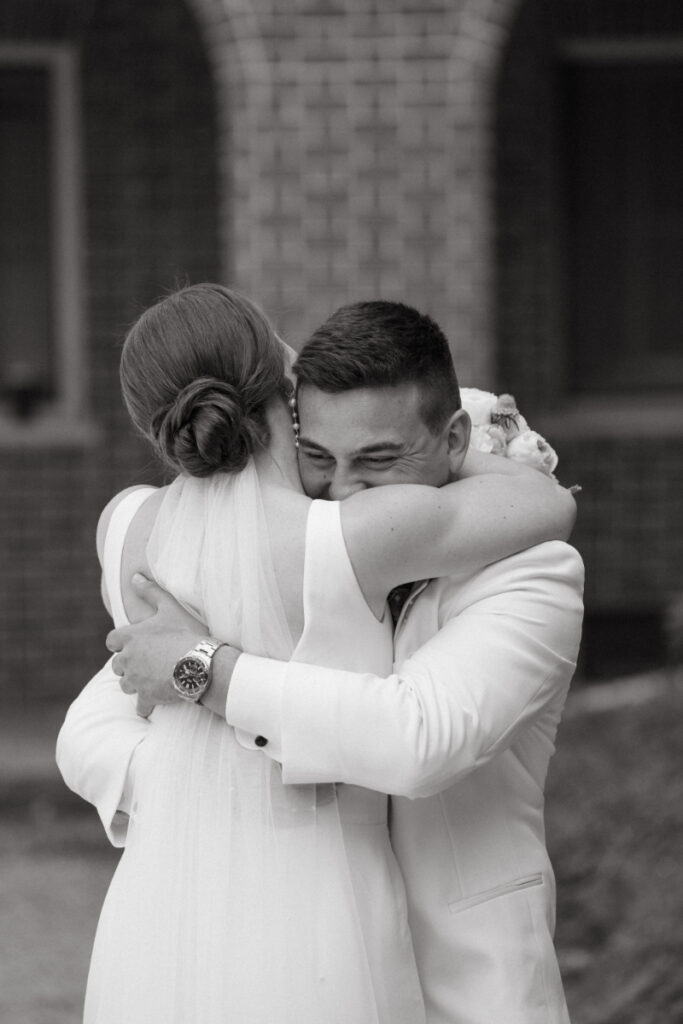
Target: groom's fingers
{"x":144,"y":708}
{"x":113,"y":641}
{"x":117,"y":668}
{"x":126,"y":685}
{"x":148,"y":590}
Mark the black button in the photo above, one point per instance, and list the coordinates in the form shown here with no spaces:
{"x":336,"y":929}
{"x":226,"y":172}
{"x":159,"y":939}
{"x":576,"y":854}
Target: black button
{"x":260,"y":741}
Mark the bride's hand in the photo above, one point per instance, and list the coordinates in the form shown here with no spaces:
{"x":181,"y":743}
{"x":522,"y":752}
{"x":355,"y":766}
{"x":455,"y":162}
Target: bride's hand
{"x":145,"y":653}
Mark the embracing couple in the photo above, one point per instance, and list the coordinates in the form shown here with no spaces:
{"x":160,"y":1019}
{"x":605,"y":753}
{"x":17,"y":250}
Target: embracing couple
{"x":266,"y":877}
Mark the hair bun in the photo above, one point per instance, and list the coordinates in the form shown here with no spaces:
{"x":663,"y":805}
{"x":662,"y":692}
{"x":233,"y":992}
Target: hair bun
{"x":207,"y":428}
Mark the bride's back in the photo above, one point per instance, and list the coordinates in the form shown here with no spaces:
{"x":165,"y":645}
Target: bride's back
{"x":231,"y":549}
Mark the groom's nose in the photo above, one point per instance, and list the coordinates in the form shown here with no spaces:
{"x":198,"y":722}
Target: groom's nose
{"x":343,"y":485}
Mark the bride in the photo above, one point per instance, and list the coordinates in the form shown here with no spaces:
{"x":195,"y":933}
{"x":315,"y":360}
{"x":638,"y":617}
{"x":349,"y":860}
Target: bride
{"x":238,"y":898}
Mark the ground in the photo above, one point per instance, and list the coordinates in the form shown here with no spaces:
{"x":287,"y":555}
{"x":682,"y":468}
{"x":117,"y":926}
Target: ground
{"x":56,"y":865}
{"x":615,"y":830}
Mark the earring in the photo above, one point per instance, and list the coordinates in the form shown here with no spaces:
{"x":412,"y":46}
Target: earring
{"x":295,"y":419}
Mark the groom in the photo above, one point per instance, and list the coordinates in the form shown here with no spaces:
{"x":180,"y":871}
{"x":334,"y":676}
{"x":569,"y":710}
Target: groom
{"x":466,"y":724}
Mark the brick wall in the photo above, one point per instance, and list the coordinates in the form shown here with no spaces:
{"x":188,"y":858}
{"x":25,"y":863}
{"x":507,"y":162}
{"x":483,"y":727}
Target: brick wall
{"x":311,"y":154}
{"x":350,"y":133}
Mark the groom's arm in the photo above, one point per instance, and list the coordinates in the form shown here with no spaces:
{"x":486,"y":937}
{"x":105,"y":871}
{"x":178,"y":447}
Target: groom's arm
{"x":96,"y":749}
{"x":502,"y":661}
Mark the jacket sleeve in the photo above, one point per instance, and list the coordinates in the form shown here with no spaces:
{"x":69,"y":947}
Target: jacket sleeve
{"x":502,"y":660}
{"x":96,"y":747}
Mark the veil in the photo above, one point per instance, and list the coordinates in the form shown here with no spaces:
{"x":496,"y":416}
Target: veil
{"x":233,"y":900}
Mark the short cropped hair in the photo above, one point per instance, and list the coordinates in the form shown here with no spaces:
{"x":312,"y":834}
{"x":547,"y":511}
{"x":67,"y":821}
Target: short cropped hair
{"x":382,"y":344}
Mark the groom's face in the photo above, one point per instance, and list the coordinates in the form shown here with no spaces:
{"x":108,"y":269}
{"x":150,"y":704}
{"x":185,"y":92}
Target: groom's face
{"x":373,"y":436}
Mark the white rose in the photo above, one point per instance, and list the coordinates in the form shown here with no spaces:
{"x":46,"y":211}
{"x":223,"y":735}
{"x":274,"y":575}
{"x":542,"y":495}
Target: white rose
{"x":480,"y":440}
{"x":488,"y":439}
{"x":532,"y":449}
{"x":478,"y":404}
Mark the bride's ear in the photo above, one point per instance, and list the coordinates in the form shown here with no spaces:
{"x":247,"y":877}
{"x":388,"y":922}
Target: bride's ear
{"x":458,"y":427}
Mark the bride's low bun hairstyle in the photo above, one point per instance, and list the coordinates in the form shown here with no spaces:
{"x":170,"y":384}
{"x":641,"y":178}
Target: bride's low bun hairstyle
{"x":206,"y":429}
{"x":198,"y":371}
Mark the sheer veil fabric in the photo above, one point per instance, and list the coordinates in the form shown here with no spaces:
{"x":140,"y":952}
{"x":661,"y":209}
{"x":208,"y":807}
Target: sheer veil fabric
{"x":238,"y":899}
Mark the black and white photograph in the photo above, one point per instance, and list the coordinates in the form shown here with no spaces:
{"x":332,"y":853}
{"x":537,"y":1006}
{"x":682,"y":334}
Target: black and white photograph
{"x":341,"y":422}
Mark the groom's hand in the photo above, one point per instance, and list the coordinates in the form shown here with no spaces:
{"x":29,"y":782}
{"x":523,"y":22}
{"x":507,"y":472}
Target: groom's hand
{"x":145,"y":653}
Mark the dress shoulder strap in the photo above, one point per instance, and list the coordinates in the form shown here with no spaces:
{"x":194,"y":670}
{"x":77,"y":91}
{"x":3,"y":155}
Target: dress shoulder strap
{"x":340,"y":630}
{"x":121,"y":518}
{"x":329,"y":579}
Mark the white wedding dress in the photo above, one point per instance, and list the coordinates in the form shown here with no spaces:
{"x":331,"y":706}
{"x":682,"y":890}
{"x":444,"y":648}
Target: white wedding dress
{"x":239,"y":900}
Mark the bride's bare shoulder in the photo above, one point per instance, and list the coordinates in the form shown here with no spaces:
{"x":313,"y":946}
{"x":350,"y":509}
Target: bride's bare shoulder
{"x":144,"y":517}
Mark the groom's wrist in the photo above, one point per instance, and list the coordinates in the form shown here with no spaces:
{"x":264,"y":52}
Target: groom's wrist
{"x":224,"y":662}
{"x":256,"y":702}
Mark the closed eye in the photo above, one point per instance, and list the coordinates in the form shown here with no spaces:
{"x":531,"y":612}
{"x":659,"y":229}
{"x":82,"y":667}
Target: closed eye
{"x":315,"y":456}
{"x":379,"y":461}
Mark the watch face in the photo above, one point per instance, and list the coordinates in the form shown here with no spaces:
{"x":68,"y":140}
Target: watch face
{"x":190,"y":675}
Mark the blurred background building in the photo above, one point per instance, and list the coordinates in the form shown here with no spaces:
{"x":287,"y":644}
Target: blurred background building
{"x":512,"y":167}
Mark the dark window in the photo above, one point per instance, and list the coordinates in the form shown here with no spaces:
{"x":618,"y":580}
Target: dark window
{"x":26,"y":284}
{"x":624,"y":162}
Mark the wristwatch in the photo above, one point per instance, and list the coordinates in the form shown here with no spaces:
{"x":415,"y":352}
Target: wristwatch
{"x":192,"y":673}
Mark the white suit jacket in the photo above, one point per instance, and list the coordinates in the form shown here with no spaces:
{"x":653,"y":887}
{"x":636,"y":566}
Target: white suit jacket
{"x":462,"y":733}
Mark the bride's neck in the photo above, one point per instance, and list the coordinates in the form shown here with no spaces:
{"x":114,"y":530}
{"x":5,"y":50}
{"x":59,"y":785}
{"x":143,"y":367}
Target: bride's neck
{"x":278,"y":461}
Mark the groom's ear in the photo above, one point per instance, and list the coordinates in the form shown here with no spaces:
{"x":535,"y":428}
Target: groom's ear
{"x":458,"y":438}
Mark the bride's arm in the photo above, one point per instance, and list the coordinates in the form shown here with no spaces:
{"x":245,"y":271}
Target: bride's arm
{"x":395,"y":534}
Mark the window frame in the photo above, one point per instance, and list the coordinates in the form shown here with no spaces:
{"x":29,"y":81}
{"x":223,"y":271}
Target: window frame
{"x":616,"y":413}
{"x":64,"y":418}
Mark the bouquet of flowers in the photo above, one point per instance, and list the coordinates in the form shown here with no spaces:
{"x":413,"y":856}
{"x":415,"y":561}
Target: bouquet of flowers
{"x":499,"y":428}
